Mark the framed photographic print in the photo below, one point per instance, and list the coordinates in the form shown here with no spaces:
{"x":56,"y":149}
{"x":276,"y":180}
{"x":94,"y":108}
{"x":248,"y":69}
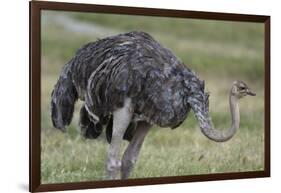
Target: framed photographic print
{"x":123,"y":96}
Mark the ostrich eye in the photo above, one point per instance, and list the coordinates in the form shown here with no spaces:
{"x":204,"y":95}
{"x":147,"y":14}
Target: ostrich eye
{"x":242,"y":88}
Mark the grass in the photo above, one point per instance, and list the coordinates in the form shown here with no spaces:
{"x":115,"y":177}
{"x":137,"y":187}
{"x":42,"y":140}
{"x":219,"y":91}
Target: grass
{"x":219,"y":52}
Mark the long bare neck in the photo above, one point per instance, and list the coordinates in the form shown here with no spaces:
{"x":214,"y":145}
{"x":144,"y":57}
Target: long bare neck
{"x":214,"y":134}
{"x":235,"y":115}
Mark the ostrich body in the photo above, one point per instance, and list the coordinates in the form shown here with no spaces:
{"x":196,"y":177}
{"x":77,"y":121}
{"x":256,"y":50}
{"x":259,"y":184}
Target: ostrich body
{"x":128,"y":83}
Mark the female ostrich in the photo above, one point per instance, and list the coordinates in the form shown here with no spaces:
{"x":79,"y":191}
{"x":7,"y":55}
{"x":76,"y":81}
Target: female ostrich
{"x":130,"y":82}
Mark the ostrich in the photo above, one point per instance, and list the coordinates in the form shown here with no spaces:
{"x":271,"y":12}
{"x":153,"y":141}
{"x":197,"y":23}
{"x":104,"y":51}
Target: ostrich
{"x":128,"y":83}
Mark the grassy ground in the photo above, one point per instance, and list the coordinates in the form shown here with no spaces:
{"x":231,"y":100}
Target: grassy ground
{"x":219,"y":52}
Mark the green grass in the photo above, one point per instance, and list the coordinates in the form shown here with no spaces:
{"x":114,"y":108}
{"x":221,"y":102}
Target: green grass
{"x":218,"y":51}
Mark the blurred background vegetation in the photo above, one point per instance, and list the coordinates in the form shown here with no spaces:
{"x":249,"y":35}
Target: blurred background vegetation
{"x":218,"y":51}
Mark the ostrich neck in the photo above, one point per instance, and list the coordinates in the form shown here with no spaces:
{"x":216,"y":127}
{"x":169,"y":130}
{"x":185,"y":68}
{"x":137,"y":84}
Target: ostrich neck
{"x":235,"y":115}
{"x":209,"y":131}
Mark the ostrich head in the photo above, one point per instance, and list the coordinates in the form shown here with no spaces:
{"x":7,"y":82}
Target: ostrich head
{"x":199,"y":102}
{"x":239,"y":89}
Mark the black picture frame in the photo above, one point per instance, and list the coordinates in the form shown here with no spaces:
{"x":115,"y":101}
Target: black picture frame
{"x":36,"y":8}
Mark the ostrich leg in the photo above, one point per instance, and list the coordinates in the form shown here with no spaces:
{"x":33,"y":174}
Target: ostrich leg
{"x":131,"y":154}
{"x":121,"y":119}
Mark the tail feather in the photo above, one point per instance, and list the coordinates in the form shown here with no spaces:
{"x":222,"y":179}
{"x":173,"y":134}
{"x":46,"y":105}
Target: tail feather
{"x":63,"y":100}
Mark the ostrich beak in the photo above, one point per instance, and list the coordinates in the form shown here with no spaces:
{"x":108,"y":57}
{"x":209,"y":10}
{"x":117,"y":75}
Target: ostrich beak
{"x":251,"y":93}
